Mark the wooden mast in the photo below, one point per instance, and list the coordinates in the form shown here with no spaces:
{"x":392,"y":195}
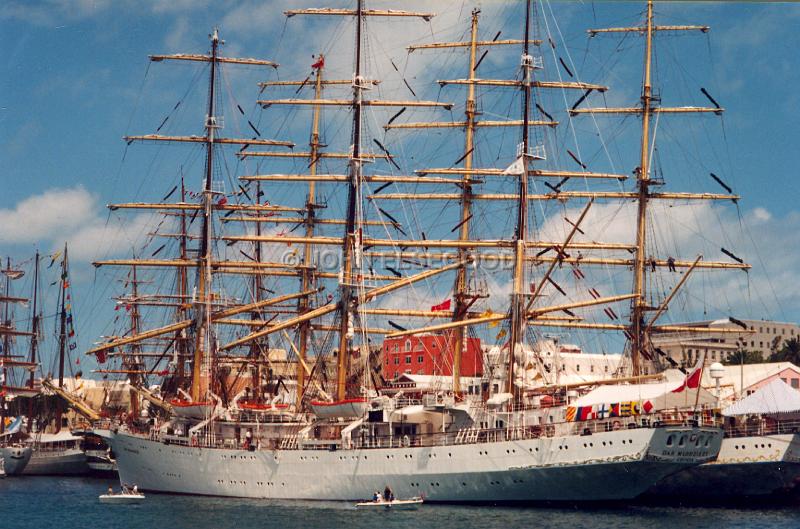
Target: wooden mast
{"x":202,"y":339}
{"x":307,"y":277}
{"x":255,"y":348}
{"x":518,"y":316}
{"x":181,"y":341}
{"x":461,"y":284}
{"x":351,"y":244}
{"x":133,"y":356}
{"x":643,"y":183}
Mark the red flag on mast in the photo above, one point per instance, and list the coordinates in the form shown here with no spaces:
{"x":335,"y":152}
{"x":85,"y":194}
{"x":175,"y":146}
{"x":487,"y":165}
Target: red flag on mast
{"x":444,"y":305}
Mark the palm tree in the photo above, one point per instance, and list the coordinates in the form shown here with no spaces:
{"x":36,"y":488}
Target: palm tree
{"x":790,"y":352}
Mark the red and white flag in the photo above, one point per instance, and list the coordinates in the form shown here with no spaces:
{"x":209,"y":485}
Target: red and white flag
{"x":692,"y":380}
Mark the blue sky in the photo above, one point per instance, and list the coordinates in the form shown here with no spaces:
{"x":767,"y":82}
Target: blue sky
{"x":75,"y":79}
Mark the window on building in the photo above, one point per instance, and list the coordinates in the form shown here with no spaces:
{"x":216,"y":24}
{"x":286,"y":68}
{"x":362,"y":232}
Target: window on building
{"x":418,"y":347}
{"x":760,"y":329}
{"x":591,"y":368}
{"x":796,"y":383}
{"x":408,"y":359}
{"x":606,"y":369}
{"x":407,"y":371}
{"x":397,"y":360}
{"x":420,"y":359}
{"x":577,"y":367}
{"x":408,"y":345}
{"x":387,"y":360}
{"x":396,"y":348}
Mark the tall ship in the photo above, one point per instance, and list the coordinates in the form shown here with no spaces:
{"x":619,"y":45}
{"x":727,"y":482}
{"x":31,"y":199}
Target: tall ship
{"x":270,"y":374}
{"x":16,"y":372}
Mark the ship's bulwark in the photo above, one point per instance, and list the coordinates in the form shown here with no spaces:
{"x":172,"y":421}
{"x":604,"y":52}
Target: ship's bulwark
{"x":617,"y":465}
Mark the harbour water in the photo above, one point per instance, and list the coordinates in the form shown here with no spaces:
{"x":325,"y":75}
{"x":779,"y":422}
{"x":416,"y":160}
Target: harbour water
{"x":37,"y":502}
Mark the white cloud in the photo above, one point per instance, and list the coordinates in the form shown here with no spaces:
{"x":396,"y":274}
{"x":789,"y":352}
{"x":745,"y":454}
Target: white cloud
{"x":73,"y":215}
{"x":761,"y":215}
{"x":47,"y":215}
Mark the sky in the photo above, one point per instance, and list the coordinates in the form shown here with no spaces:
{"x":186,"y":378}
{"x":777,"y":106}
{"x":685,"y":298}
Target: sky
{"x":75,"y":78}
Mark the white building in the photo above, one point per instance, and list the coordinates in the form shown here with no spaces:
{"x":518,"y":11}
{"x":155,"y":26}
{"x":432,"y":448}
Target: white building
{"x":764,"y":337}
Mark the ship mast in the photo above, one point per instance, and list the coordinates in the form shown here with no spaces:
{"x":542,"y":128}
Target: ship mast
{"x":351,"y":246}
{"x":62,"y":333}
{"x":133,"y":359}
{"x":181,"y":341}
{"x":643,"y":182}
{"x":307,"y":279}
{"x":34,"y":332}
{"x":6,"y":346}
{"x":255,"y":315}
{"x":461,"y":285}
{"x":518,"y":315}
{"x":203,"y":329}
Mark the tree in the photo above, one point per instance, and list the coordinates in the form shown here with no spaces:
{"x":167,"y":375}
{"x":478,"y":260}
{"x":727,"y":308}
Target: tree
{"x":742,"y":356}
{"x":790,"y":352}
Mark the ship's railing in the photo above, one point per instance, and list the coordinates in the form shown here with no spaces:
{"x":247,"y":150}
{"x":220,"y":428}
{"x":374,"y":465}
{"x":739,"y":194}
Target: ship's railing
{"x":760,"y":426}
{"x":363,"y":439}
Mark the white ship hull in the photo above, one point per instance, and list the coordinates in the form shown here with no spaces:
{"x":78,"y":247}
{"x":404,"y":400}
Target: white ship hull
{"x":69,"y":462}
{"x":753,"y":466}
{"x":15,"y":459}
{"x":614,"y":465}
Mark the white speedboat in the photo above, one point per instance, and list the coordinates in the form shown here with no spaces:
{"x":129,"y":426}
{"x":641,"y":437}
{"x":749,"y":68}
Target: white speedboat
{"x":409,"y":504}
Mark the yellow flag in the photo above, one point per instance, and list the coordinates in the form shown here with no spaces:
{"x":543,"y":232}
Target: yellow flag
{"x":501,"y":335}
{"x":488,"y":314}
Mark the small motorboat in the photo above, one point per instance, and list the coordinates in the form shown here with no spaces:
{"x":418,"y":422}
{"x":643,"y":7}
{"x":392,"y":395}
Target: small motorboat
{"x":127,"y":496}
{"x":405,"y":505}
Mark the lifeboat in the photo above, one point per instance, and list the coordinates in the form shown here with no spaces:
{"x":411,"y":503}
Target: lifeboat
{"x":191,"y":409}
{"x":261,"y":406}
{"x":348,"y":408}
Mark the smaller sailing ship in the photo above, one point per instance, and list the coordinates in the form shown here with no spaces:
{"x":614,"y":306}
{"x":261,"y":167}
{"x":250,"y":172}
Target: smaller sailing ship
{"x":55,"y":449}
{"x":14,"y":454}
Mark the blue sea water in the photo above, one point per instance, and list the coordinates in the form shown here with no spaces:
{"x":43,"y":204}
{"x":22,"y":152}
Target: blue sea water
{"x":41,"y":503}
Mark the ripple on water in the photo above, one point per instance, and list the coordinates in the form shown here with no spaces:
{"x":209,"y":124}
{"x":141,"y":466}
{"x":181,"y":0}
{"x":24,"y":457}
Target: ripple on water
{"x":40,"y":503}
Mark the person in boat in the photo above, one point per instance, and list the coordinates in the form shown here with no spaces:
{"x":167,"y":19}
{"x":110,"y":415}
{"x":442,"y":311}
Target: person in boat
{"x":110,"y":491}
{"x":136,"y":489}
{"x":388,"y":495}
{"x":376,"y":496}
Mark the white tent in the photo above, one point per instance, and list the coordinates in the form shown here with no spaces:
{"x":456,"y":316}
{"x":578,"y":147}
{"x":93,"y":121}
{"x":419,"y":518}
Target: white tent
{"x":775,"y":397}
{"x":661,"y":395}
